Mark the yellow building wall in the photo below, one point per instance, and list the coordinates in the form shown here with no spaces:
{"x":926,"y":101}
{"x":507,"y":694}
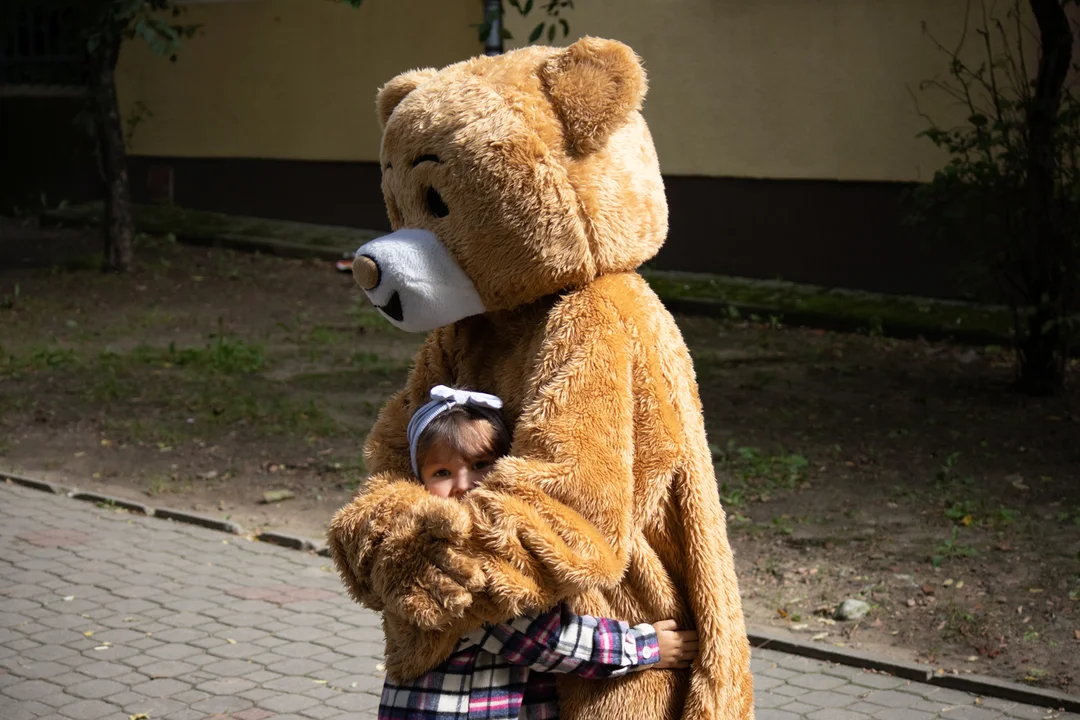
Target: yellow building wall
{"x":816,"y":89}
{"x":289,"y":79}
{"x":784,"y":88}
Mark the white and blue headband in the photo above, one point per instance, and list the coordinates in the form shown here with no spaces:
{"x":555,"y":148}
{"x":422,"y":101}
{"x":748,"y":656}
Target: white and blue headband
{"x":443,"y":399}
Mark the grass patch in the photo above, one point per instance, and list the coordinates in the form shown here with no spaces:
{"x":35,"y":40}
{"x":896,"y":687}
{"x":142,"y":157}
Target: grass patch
{"x":171,"y":220}
{"x":749,"y":474}
{"x":874,"y":312}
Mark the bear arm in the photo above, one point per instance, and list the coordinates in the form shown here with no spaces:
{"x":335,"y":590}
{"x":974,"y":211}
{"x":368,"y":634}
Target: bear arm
{"x":553,"y":519}
{"x":400,"y":549}
{"x":396,"y":547}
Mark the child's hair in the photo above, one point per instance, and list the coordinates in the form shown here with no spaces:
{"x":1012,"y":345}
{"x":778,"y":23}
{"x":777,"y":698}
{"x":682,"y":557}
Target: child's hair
{"x":470,"y":430}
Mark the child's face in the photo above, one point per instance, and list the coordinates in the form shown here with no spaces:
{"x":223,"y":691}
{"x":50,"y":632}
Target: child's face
{"x":449,"y":474}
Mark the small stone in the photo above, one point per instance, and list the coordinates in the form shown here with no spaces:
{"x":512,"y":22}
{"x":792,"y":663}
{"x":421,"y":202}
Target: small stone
{"x":852,"y":609}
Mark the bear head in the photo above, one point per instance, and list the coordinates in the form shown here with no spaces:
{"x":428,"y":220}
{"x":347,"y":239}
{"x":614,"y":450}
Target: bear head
{"x":509,"y":178}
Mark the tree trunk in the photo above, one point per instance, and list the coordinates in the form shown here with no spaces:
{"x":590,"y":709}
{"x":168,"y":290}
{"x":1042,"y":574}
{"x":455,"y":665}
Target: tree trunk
{"x":1042,"y":354}
{"x":119,"y":227}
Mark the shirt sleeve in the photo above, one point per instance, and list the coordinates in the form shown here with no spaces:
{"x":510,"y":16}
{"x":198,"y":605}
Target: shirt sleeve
{"x":561,"y":642}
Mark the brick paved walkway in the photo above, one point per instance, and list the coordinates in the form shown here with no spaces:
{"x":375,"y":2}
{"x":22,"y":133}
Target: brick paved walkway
{"x":109,"y":615}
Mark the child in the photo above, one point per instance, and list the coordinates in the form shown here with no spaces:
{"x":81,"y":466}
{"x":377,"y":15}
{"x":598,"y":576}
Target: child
{"x":503,"y":671}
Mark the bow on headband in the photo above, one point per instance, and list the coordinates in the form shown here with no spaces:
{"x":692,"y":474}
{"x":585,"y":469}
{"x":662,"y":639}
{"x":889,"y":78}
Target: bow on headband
{"x":443,"y":398}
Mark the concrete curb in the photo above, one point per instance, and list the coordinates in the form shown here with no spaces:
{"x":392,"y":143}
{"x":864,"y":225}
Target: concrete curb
{"x":759,"y":638}
{"x":975,"y":684}
{"x":34,"y":484}
{"x":835,"y":323}
{"x":772,"y":641}
{"x":992,"y":687}
{"x":109,"y":500}
{"x":196,"y":519}
{"x":290,"y":541}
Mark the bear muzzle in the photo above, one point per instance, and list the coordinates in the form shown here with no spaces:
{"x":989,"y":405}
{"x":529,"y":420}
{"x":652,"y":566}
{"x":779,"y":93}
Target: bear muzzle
{"x":412,"y":279}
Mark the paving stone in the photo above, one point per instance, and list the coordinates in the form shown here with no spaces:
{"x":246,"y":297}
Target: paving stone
{"x":973,"y":713}
{"x":32,"y":690}
{"x":225,"y":686}
{"x":826,"y":699}
{"x":877,"y":681}
{"x":172,"y":651}
{"x":798,"y":708}
{"x":765,"y":698}
{"x":892,"y":698}
{"x":835,"y":714}
{"x":287,"y":703}
{"x":95,"y":689}
{"x":166,"y":668}
{"x":903,"y":714}
{"x":161,"y":688}
{"x":24,"y":710}
{"x":88,"y":710}
{"x":817,"y":681}
{"x":774,"y":714}
{"x":222,"y":704}
{"x":103,"y":669}
{"x":231,"y":668}
{"x":245,"y":635}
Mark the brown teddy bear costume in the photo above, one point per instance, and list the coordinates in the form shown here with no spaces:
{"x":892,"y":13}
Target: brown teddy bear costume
{"x":524,"y":190}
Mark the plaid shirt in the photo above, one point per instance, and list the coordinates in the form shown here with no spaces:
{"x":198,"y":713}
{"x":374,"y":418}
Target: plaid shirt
{"x":505,"y":671}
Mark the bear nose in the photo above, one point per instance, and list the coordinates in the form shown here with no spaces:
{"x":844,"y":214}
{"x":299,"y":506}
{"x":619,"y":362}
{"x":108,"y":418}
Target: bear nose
{"x":365,"y":272}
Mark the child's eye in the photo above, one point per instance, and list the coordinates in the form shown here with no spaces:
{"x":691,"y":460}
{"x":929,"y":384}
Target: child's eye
{"x":442,"y":472}
{"x":481,"y":464}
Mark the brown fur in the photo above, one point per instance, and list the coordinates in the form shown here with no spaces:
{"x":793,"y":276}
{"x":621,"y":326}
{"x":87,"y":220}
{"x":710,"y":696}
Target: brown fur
{"x":608,"y":498}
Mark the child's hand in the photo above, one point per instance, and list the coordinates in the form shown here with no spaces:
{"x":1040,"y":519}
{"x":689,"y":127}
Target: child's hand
{"x":678,"y":648}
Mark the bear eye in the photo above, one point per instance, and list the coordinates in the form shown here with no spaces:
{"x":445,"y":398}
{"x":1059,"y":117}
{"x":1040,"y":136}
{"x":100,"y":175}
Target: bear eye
{"x":435,"y":204}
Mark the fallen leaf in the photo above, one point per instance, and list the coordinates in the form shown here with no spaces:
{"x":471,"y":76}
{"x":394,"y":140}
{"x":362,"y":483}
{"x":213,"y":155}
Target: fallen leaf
{"x":911,"y":602}
{"x":877,"y":623}
{"x":106,"y":443}
{"x":1035,"y":590}
{"x":69,"y":598}
{"x":273,"y":496}
{"x":959,"y":584}
{"x":230,"y":641}
{"x":88,"y":633}
{"x":319,"y":682}
{"x":139,"y":716}
{"x":948,"y":582}
{"x":972,"y":658}
{"x":1017,"y":481}
{"x":819,"y":636}
{"x":966,"y":520}
{"x":928,"y":589}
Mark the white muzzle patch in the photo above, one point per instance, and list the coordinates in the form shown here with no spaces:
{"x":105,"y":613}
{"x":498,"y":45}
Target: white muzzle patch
{"x":420,"y":286}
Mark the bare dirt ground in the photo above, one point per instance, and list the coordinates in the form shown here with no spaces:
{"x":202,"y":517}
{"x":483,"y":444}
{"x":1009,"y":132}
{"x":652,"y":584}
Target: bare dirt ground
{"x":905,"y":474}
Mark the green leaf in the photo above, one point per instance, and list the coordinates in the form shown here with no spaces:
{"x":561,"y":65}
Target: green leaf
{"x":505,"y":32}
{"x":536,"y":33}
{"x":551,"y":33}
{"x":565,"y":27}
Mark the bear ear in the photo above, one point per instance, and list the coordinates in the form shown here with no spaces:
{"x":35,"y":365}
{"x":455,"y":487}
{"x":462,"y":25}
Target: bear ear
{"x":594,"y":85}
{"x":393,"y":92}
